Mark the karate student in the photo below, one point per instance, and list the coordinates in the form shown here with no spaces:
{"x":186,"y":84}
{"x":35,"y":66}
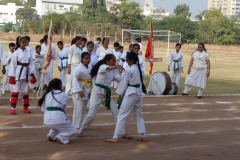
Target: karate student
{"x":175,"y":64}
{"x":20,"y":72}
{"x":8,"y":57}
{"x":106,"y":71}
{"x":81,"y":86}
{"x":198,"y":71}
{"x":53,"y":104}
{"x":38,"y":63}
{"x":93,"y":56}
{"x":41,"y":42}
{"x":124,"y":55}
{"x":130,"y":89}
{"x":49,"y":75}
{"x":136,"y":49}
{"x":62,"y":62}
{"x":74,"y":58}
{"x":83,"y":46}
{"x":138,"y":41}
{"x":97,"y":44}
{"x":104,"y":49}
{"x":118,"y":55}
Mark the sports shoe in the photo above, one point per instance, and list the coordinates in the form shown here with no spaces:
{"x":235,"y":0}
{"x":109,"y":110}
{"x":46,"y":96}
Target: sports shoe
{"x":26,"y":110}
{"x":13,"y":112}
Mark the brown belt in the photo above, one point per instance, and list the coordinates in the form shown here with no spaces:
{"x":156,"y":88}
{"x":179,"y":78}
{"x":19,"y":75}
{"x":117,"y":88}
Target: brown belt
{"x":23,"y":65}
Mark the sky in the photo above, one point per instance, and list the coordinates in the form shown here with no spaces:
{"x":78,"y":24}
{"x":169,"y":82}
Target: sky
{"x":169,"y":5}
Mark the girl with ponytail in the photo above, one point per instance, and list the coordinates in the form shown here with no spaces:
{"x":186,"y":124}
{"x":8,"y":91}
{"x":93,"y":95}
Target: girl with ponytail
{"x":130,"y":89}
{"x":105,"y":71}
{"x":53,"y":104}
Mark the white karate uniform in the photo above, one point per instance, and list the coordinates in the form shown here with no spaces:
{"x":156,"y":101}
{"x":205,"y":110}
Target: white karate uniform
{"x":117,"y":54}
{"x":38,"y":63}
{"x":123,"y":56}
{"x":5,"y":84}
{"x":21,"y":56}
{"x":74,"y":58}
{"x":80,"y":103}
{"x":101,"y":52}
{"x":31,"y":50}
{"x":141,"y":47}
{"x":98,"y":95}
{"x":62,"y":62}
{"x":142,"y":64}
{"x":198,"y":75}
{"x":2,"y":59}
{"x":132,"y":101}
{"x":49,"y":76}
{"x":57,"y":121}
{"x":84,"y":49}
{"x":176,"y":75}
{"x":96,"y":46}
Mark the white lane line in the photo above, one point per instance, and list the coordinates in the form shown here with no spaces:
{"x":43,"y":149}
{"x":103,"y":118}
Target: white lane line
{"x":232,"y":116}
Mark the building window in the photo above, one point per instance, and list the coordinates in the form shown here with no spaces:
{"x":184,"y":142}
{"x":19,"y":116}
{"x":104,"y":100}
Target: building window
{"x":47,"y":6}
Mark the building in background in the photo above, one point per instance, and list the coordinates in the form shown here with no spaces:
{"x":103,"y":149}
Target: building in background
{"x":147,"y":7}
{"x":111,"y":4}
{"x":228,"y":7}
{"x":58,"y":6}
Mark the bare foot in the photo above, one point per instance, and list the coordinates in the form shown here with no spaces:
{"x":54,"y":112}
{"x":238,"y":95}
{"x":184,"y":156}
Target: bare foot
{"x":112,"y":140}
{"x":143,"y":139}
{"x":126,"y":136}
{"x":80,"y":135}
{"x":56,"y":139}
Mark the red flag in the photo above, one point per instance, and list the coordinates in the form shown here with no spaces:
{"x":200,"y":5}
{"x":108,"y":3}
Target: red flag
{"x":150,"y":48}
{"x":48,"y":55}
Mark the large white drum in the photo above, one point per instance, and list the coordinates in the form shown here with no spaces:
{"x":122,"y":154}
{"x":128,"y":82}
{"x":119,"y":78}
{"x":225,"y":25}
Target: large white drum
{"x":173,"y":89}
{"x":161,"y":83}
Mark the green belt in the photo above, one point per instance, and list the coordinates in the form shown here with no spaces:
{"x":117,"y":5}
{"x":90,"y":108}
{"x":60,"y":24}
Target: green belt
{"x":55,"y":109}
{"x":63,"y":59}
{"x":176,"y":65}
{"x":121,"y":99}
{"x":108,"y":94}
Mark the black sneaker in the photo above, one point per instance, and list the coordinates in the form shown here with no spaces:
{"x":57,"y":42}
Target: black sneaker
{"x":199,"y":97}
{"x":184,"y":94}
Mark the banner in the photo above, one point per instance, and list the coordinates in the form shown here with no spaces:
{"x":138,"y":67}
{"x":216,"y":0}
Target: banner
{"x":48,"y":54}
{"x":150,"y":48}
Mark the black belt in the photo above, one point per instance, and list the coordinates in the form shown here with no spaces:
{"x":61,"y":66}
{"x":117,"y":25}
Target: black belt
{"x":23,"y":65}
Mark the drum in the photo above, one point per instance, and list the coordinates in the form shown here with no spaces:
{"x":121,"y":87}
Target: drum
{"x":173,"y":89}
{"x":161,"y":83}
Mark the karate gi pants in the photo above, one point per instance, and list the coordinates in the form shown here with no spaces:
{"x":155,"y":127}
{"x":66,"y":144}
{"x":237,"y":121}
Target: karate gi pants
{"x":176,"y":76}
{"x":188,"y":88}
{"x":62,"y":131}
{"x":79,"y":111}
{"x":69,"y":79}
{"x":5,"y":85}
{"x":95,"y":101}
{"x":49,"y":75}
{"x":21,"y":87}
{"x":63,"y":76}
{"x":132,"y":102}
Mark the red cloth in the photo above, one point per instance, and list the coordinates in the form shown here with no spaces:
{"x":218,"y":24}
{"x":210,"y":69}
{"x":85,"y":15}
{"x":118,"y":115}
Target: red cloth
{"x":12,"y":80}
{"x":150,"y":48}
{"x":33,"y":79}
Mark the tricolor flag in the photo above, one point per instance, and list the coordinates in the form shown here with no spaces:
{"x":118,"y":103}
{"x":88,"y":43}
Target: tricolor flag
{"x":48,"y":54}
{"x":150,"y":48}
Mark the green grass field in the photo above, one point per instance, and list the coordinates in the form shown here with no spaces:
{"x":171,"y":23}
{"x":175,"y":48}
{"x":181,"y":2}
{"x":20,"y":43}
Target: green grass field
{"x":224,"y":78}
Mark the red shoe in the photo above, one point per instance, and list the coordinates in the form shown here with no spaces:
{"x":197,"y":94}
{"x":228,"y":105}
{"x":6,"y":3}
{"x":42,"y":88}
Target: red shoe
{"x":13,"y":112}
{"x":26,"y":110}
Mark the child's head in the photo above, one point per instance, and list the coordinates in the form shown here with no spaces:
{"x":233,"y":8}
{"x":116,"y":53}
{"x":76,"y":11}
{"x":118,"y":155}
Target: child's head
{"x":99,"y":40}
{"x":90,"y":46}
{"x":109,"y":59}
{"x":136,"y":48}
{"x":60,"y":45}
{"x":201,"y":47}
{"x":41,"y":41}
{"x":178,"y":47}
{"x":116,"y":46}
{"x":38,"y":49}
{"x":11,"y":47}
{"x":20,"y":42}
{"x":120,"y":49}
{"x":84,"y":41}
{"x":131,"y":48}
{"x":132,"y":58}
{"x":55,"y":84}
{"x":105,"y":42}
{"x":27,"y":40}
{"x":85,"y":58}
{"x":77,"y":40}
{"x":138,"y":40}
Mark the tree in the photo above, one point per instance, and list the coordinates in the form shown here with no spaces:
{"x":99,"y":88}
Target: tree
{"x":182,"y":10}
{"x":8,"y":27}
{"x":32,"y":3}
{"x":27,"y":13}
{"x":5,"y":2}
{"x":200,"y":16}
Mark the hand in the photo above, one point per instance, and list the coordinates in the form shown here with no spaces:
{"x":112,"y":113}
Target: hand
{"x":208,"y":74}
{"x":168,"y":69}
{"x":40,"y":69}
{"x":120,"y":68}
{"x":81,"y":93}
{"x":59,"y":68}
{"x":89,"y":95}
{"x":189,"y":71}
{"x":3,"y":70}
{"x":69,"y":70}
{"x":182,"y":70}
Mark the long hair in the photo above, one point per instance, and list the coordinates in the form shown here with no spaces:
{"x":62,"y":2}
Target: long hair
{"x":55,"y":84}
{"x":75,"y":39}
{"x":18,"y":39}
{"x":95,"y":68}
{"x":203,"y":45}
{"x":133,"y":56}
